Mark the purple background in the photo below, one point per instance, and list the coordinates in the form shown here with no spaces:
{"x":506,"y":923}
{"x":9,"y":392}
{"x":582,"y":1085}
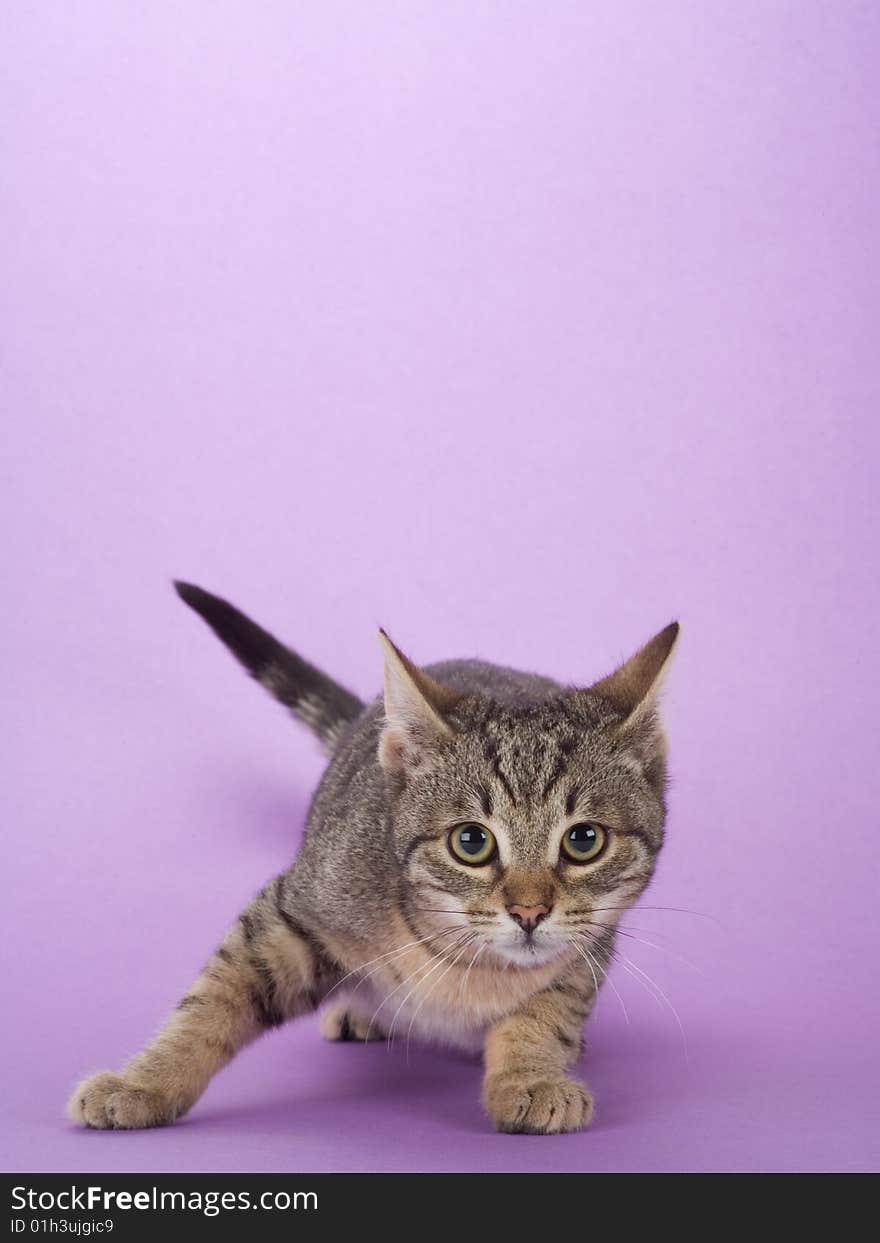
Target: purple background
{"x":518,"y":328}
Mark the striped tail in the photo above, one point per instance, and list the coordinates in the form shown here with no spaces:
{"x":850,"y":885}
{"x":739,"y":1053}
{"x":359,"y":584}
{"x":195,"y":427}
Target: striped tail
{"x":316,"y":700}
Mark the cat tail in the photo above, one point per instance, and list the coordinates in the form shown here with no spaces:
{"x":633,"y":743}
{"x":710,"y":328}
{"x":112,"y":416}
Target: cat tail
{"x":316,"y":700}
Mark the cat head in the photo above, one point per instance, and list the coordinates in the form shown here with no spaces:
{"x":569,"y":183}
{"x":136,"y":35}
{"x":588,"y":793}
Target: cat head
{"x":524,"y":822}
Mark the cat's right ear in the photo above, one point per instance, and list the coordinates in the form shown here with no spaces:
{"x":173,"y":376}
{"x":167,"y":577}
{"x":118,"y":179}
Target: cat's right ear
{"x":414,"y":710}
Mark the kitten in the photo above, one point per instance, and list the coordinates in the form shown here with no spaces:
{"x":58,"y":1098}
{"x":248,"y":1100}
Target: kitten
{"x":467,"y":856}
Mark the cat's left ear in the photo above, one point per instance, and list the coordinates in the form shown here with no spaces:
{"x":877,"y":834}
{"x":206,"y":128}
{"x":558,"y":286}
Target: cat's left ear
{"x":633,"y":688}
{"x":415,"y":707}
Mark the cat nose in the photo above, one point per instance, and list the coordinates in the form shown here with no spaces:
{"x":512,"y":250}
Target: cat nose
{"x":528,"y":917}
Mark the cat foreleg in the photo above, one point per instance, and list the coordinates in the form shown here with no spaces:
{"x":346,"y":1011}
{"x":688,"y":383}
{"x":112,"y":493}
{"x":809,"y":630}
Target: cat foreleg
{"x":269,"y":969}
{"x":527,"y":1054}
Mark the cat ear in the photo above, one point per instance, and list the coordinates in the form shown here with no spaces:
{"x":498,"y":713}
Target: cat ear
{"x":633,"y":688}
{"x":414,"y":709}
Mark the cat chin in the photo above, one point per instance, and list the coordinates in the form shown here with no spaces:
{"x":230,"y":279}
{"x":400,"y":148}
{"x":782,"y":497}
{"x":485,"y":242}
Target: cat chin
{"x":529,"y":955}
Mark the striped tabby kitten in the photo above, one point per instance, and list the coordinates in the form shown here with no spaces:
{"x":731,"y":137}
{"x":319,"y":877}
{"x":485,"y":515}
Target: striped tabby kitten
{"x":468,"y":854}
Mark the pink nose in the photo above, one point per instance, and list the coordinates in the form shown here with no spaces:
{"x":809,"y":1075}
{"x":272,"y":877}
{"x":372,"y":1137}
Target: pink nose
{"x":528,"y":917}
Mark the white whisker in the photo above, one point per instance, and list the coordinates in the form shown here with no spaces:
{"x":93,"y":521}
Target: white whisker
{"x":401,"y":949}
{"x":425,"y":974}
{"x":441,"y":976}
{"x":582,"y":950}
{"x":664,"y":949}
{"x":669,"y":1004}
{"x":679,"y":910}
{"x":652,"y":987}
{"x":407,"y":979}
{"x":462,"y":985}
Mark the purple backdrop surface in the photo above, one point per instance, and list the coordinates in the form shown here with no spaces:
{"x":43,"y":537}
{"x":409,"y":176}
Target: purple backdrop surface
{"x":518,"y":328}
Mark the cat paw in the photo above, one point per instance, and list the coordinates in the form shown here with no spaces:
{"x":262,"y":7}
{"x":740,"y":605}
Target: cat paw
{"x":108,"y":1101}
{"x":340,"y":1022}
{"x":545,"y":1107}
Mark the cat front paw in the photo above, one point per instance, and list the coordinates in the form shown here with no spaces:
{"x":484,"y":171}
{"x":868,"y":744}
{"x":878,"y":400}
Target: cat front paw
{"x":110,"y":1102}
{"x":542,"y":1107}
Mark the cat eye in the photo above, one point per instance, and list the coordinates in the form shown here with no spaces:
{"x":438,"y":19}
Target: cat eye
{"x":472,"y":844}
{"x":583,"y":842}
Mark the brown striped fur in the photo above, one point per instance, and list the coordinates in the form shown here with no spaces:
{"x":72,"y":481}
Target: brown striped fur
{"x":379,"y":918}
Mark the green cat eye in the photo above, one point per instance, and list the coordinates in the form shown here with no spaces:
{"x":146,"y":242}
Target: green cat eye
{"x":583,"y":842}
{"x":472,"y":844}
